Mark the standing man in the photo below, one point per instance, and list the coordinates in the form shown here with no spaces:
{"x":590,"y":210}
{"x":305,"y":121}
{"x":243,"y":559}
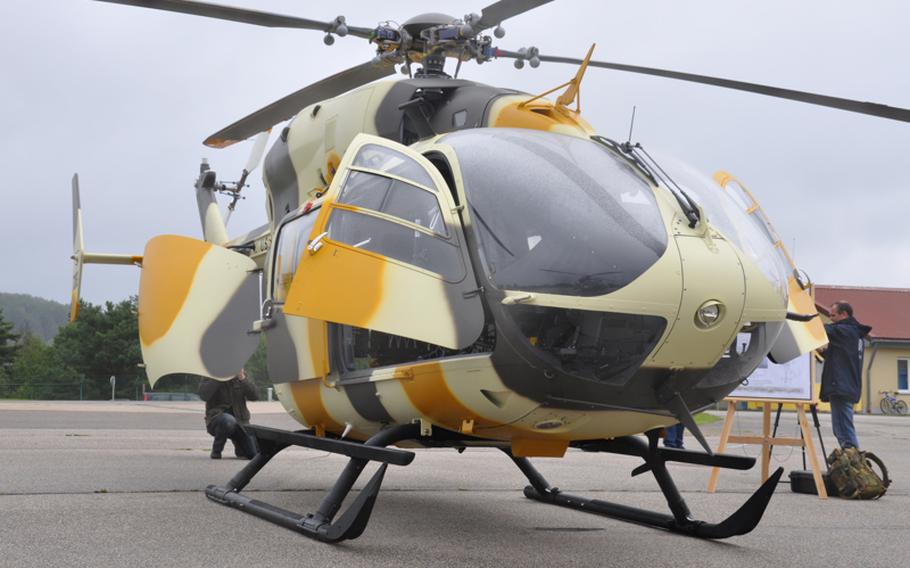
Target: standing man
{"x":226,"y":413}
{"x":674,"y":436}
{"x":842,"y":374}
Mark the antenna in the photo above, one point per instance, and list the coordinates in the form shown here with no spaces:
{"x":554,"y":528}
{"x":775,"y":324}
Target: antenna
{"x":632,"y":124}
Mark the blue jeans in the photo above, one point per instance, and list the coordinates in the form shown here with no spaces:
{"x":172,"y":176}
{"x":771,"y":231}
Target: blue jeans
{"x":225,"y":426}
{"x":674,"y":437}
{"x":842,"y":422}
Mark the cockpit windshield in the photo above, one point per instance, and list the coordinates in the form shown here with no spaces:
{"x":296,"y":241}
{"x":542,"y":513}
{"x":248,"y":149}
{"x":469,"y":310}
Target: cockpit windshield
{"x":731,"y":218}
{"x":557,"y":214}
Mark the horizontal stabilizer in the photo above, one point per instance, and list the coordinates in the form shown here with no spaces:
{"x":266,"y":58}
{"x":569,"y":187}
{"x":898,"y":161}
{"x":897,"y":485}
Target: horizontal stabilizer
{"x":197,"y":303}
{"x":80,"y":257}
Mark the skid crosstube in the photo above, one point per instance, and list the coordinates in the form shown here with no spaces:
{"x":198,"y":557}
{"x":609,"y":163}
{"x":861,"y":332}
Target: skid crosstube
{"x":320,"y":525}
{"x":680,"y":520}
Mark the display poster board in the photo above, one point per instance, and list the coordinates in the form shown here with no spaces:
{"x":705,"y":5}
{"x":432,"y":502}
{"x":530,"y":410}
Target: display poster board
{"x":791,"y":381}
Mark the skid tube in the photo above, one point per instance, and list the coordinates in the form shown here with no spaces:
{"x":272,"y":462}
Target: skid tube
{"x":741,"y":522}
{"x":321,"y":524}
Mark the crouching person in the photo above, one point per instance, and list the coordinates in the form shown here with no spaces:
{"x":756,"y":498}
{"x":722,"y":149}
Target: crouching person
{"x":226,"y":413}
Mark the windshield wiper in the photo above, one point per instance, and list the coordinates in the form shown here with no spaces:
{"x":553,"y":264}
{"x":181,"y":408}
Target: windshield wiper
{"x":652,"y":170}
{"x":629,"y":157}
{"x":688,"y":205}
{"x":490,"y":231}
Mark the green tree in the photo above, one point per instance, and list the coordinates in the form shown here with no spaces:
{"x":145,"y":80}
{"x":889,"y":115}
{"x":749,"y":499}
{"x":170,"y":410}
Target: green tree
{"x":257,"y":368}
{"x":5,"y":390}
{"x":8,"y":342}
{"x":39,"y":373}
{"x":104,"y":341}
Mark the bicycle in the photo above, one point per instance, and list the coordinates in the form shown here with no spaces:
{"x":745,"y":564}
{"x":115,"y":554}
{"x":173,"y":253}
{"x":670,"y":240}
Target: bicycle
{"x":890,"y":404}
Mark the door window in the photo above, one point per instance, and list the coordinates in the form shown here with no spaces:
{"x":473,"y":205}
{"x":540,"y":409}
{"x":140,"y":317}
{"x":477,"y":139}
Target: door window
{"x":394,"y":197}
{"x":389,"y":229}
{"x":416,"y":247}
{"x":293,"y":237}
{"x":410,"y":226}
{"x":381,"y":159}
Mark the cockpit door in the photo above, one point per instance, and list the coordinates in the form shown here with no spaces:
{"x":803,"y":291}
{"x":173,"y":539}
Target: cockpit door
{"x":387,"y":251}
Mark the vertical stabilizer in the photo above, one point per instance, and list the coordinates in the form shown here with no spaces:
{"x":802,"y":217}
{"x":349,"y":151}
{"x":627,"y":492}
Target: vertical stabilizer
{"x":78,"y":248}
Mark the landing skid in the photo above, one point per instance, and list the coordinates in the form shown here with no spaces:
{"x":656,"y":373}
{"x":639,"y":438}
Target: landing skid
{"x":320,"y":525}
{"x":741,"y":522}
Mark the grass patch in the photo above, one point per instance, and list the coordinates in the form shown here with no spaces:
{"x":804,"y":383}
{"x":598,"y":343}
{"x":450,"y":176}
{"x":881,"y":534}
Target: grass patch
{"x":705,"y":418}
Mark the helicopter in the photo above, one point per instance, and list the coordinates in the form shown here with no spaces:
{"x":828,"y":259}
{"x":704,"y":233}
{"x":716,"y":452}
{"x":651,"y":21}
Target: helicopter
{"x":411,"y":294}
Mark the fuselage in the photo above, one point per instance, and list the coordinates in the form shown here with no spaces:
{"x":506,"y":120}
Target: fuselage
{"x":570,"y":280}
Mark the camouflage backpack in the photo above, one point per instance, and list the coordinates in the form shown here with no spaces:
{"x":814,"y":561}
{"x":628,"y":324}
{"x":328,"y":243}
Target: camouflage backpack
{"x":852,"y":474}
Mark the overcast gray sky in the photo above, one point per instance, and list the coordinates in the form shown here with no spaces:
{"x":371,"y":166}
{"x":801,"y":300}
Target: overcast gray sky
{"x":126,"y":95}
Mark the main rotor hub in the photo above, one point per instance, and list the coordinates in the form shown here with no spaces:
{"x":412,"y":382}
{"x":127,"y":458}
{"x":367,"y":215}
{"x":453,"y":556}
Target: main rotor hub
{"x":433,"y":65}
{"x":416,"y":25}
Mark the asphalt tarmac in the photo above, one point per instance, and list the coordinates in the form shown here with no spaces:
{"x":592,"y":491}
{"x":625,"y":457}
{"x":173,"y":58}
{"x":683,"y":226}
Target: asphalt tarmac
{"x":121,"y":484}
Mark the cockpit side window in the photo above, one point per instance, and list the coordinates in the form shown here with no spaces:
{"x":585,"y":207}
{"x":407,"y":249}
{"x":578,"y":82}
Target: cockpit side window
{"x":392,"y":240}
{"x":394,"y":197}
{"x":388,"y":204}
{"x":293,"y":237}
{"x":386,"y":160}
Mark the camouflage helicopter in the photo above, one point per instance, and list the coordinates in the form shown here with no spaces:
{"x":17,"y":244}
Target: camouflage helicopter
{"x":416,"y":286}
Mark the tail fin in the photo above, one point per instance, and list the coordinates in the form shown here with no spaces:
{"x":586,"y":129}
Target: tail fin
{"x":78,"y":248}
{"x":81,"y":257}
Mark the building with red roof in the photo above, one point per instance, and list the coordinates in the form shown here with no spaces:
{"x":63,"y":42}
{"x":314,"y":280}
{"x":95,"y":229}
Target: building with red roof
{"x":887,"y":354}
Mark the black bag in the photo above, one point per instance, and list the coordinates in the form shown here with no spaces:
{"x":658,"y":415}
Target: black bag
{"x":801,"y":481}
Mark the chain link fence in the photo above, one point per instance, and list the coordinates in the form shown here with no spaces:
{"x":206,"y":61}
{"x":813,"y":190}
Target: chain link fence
{"x":170,"y":388}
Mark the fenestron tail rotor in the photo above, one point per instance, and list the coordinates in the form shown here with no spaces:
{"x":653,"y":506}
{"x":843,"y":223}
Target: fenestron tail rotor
{"x":80,"y":257}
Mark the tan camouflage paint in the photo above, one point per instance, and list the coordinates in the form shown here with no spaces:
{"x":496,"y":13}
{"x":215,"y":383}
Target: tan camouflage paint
{"x":465,"y":393}
{"x":184,"y":286}
{"x":347,"y":285}
{"x":514,"y":112}
{"x":162,"y":289}
{"x":307,"y":396}
{"x":316,"y":143}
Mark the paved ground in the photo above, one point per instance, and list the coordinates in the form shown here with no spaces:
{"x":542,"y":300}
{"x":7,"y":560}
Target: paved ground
{"x":120,"y":484}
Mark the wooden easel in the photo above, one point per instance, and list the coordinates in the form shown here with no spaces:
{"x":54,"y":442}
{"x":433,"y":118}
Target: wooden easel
{"x":767,"y":440}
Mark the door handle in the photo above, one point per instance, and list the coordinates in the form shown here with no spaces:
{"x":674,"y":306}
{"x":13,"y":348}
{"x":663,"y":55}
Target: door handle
{"x":316,"y":243}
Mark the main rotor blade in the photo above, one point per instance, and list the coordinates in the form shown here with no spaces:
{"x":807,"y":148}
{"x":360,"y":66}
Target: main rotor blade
{"x":242,"y":15}
{"x":288,"y":106}
{"x":862,"y":107}
{"x":496,"y":13}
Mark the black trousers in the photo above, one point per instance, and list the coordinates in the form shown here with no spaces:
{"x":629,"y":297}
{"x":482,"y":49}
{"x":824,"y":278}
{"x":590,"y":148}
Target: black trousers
{"x":225,"y":426}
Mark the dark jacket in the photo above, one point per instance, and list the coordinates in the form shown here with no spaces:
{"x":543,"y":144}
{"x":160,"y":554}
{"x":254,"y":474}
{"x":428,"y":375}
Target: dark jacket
{"x":227,"y":396}
{"x":842,"y":375}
